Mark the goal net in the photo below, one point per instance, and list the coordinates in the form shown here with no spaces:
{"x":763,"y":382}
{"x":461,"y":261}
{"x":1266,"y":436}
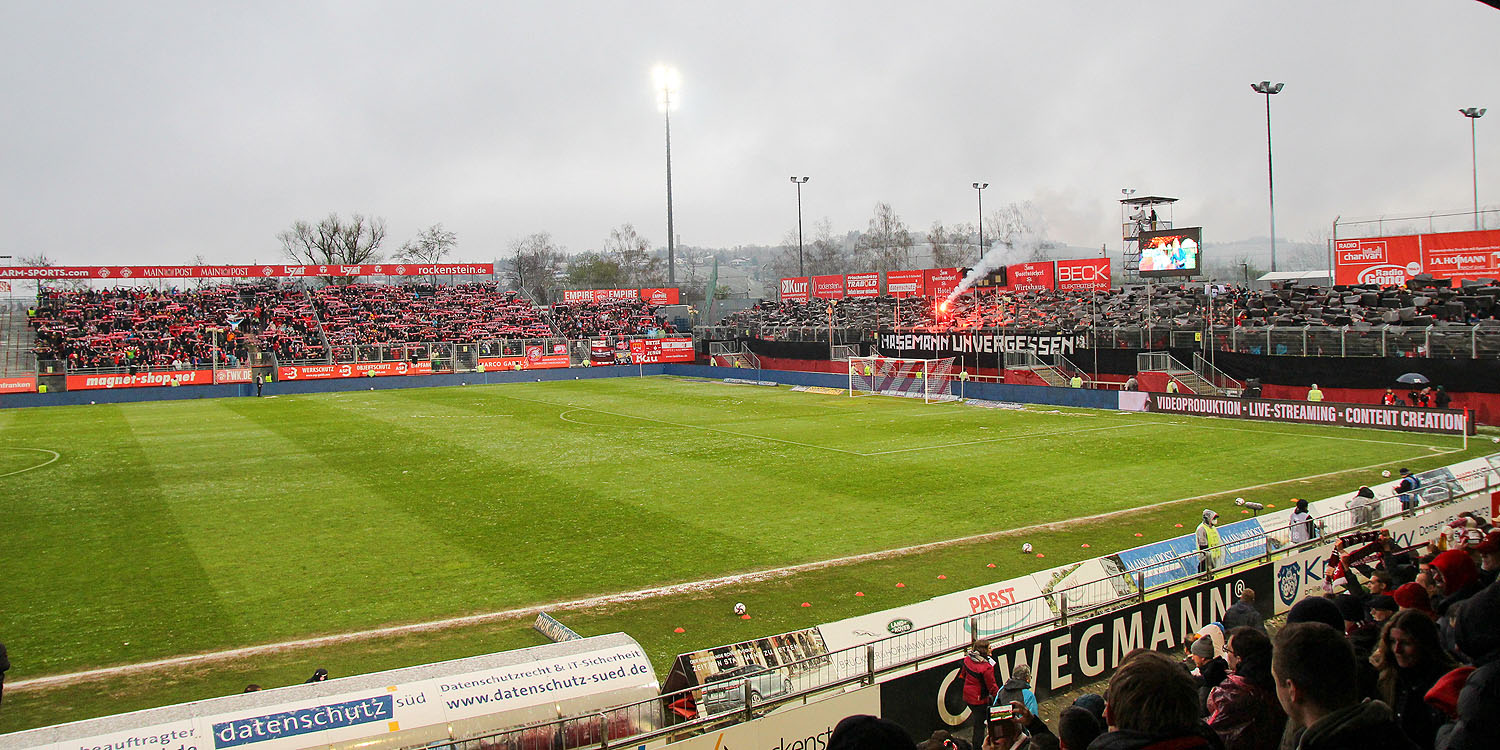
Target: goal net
{"x":927,"y":379}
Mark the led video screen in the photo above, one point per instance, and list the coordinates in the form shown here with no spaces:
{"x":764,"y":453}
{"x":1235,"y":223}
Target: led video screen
{"x":1172,"y":252}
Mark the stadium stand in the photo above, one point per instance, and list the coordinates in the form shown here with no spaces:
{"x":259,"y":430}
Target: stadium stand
{"x":143,"y":329}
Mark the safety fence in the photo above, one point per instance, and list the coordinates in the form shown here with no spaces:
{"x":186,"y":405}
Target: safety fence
{"x":686,"y":712}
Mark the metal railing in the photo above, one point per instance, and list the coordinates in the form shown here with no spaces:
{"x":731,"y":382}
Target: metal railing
{"x":709,"y":706}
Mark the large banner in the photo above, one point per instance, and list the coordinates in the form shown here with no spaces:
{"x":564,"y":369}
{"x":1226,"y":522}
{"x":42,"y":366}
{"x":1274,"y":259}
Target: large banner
{"x":828,"y":287}
{"x":942,"y":281}
{"x":1391,"y":261}
{"x":654,"y":296}
{"x":956,"y":344}
{"x":1401,"y":418}
{"x":655,"y":351}
{"x":139,"y":380}
{"x":353,"y":370}
{"x":1030,"y":277}
{"x":796,"y":727}
{"x":795,"y":289}
{"x":245,"y":272}
{"x":905,"y":283}
{"x":862,"y":285}
{"x":17,"y":385}
{"x":1083,"y":275}
{"x":1085,"y":650}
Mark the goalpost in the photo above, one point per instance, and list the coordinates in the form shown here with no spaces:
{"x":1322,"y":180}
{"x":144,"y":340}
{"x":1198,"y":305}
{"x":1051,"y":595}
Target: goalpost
{"x":928,"y":379}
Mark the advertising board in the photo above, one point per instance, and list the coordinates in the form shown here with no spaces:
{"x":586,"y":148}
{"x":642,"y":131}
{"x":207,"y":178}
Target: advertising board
{"x":905,"y":283}
{"x":828,"y":287}
{"x":1369,"y":416}
{"x":862,"y":285}
{"x":942,"y":281}
{"x":795,"y":289}
{"x":17,"y":385}
{"x":1083,"y":275}
{"x":1030,"y":277}
{"x":654,"y":351}
{"x":1391,"y":261}
{"x":125,"y":273}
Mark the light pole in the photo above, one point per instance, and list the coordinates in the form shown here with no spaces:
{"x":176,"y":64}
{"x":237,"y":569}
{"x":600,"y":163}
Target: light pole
{"x":979,"y":189}
{"x":1474,"y":113}
{"x":1268,"y":88}
{"x":667,"y":84}
{"x":800,"y":181}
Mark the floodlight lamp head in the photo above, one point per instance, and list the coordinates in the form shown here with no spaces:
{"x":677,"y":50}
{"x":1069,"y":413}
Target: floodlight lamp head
{"x":1472,"y":112}
{"x":667,"y":83}
{"x":800,"y":180}
{"x":981,"y":185}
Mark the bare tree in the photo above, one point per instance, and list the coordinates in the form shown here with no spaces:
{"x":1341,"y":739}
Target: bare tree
{"x":430,"y":245}
{"x":950,"y":245}
{"x":633,"y":253}
{"x":533,"y":266}
{"x":886,"y":244}
{"x":827,"y":253}
{"x":41,"y":260}
{"x":334,"y":241}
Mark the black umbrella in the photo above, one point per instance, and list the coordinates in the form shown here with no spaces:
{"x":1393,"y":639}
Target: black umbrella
{"x":1413,"y":378}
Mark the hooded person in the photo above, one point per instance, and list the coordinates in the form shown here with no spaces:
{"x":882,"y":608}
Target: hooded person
{"x":1301,"y":524}
{"x":1018,"y":688}
{"x":979,"y":686}
{"x":1413,"y":596}
{"x":865,"y":732}
{"x":1458,"y":577}
{"x":1478,"y":704}
{"x":1207,"y":537}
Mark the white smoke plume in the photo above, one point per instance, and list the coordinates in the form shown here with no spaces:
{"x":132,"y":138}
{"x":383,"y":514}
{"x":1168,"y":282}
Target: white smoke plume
{"x":1021,"y":237}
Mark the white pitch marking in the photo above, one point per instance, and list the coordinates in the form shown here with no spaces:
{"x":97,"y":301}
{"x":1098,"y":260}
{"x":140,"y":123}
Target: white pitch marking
{"x":55,"y":457}
{"x":1009,"y":438}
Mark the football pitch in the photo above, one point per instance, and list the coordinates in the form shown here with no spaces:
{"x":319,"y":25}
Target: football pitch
{"x":139,"y":532}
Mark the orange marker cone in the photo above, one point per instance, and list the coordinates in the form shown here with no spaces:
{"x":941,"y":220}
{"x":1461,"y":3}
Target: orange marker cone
{"x":991,"y":565}
{"x":1178,"y":525}
{"x":942,"y":578}
{"x":1085,"y":545}
{"x":1270,"y":505}
{"x":679,"y":630}
{"x":744,"y":617}
{"x":1138,"y":533}
{"x":1244,"y":512}
{"x":859,"y":593}
{"x":1040,"y":555}
{"x":806,"y":604}
{"x":900,"y":585}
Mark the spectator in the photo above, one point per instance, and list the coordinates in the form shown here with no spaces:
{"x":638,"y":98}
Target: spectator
{"x":1018,"y":689}
{"x":1316,"y":609}
{"x":319,"y":675}
{"x":1207,"y":537}
{"x":865,"y":732}
{"x":4,"y":666}
{"x":1206,"y":654}
{"x":1301,"y":524}
{"x":1478,"y":706}
{"x":1152,"y":703}
{"x":1382,"y":607}
{"x":1489,"y":557}
{"x":1243,"y":709}
{"x":1244,"y":614}
{"x":1314,"y":393}
{"x":1077,"y":727}
{"x":1440,"y":398}
{"x":1131,"y":384}
{"x":1456,"y":574}
{"x":1411,"y":659}
{"x":1314,"y":671}
{"x":1094,"y":704}
{"x":979,"y":686}
{"x":1364,"y":506}
{"x":1389,"y":399}
{"x":1407,"y":487}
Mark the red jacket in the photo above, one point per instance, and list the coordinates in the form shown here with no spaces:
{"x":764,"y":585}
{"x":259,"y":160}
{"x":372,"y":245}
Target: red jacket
{"x":979,"y":680}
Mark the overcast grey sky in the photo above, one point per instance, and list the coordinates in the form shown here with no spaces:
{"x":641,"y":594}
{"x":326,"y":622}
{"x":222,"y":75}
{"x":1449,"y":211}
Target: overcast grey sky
{"x":148,"y":132}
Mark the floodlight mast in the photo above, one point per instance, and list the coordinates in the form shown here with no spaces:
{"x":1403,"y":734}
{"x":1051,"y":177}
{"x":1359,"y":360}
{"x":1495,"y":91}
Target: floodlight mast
{"x":1474,"y":113}
{"x":1268,"y":88}
{"x":800,"y":181}
{"x":979,"y":188}
{"x":667,"y":83}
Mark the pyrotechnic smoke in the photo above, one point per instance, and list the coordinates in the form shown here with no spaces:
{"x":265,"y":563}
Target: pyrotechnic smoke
{"x":1026,"y":244}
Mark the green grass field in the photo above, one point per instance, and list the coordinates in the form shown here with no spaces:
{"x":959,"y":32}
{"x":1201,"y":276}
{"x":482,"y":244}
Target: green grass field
{"x":173,"y":528}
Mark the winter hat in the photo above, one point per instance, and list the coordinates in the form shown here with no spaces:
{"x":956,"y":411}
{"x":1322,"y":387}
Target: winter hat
{"x":1093,"y":703}
{"x":865,"y":732}
{"x":1317,"y":609}
{"x":1203,"y":648}
{"x":1413,"y":596}
{"x":1444,"y":693}
{"x":1490,"y":545}
{"x":1385,"y":602}
{"x":1475,"y":633}
{"x":1458,"y":570}
{"x":1349,"y":608}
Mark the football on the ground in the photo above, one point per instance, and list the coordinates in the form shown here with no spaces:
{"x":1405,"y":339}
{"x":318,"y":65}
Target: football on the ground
{"x":739,"y":608}
{"x":1026,"y":547}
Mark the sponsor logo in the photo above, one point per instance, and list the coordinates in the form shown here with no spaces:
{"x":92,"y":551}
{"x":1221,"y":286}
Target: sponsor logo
{"x":793,"y":287}
{"x":104,"y":273}
{"x":1288,"y":581}
{"x":899,"y":625}
{"x":400,"y":270}
{"x":1383,"y":275}
{"x":304,"y":721}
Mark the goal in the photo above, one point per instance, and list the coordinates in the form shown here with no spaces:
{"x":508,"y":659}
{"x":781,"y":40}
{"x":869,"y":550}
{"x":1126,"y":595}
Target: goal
{"x":927,"y":379}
